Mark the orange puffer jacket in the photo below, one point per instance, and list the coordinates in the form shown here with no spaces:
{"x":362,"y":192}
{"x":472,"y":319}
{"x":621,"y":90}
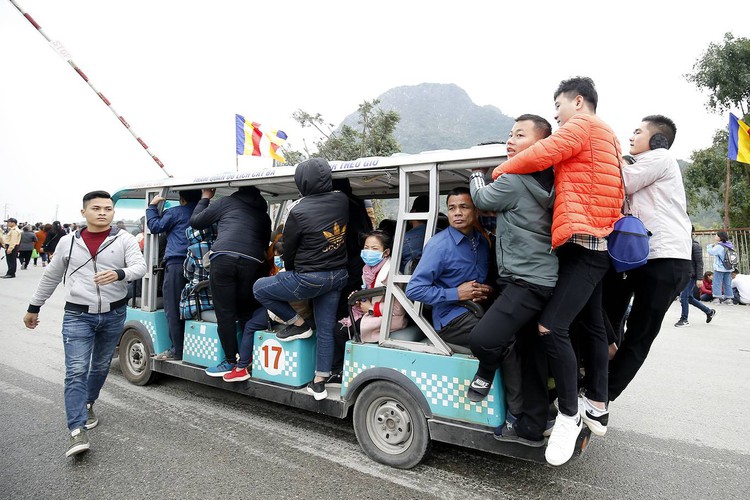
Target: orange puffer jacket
{"x":588,"y":187}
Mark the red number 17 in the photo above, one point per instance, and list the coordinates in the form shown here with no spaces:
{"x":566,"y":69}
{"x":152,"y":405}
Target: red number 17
{"x":277,"y":350}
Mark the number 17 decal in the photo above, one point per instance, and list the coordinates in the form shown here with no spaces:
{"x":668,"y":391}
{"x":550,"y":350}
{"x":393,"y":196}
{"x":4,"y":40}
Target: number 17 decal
{"x":273,"y":360}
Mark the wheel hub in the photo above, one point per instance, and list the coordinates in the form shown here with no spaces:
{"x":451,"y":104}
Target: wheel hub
{"x":391,"y":423}
{"x":137,"y":357}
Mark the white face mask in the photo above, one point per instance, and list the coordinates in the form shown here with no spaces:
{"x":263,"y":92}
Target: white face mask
{"x":371,"y":257}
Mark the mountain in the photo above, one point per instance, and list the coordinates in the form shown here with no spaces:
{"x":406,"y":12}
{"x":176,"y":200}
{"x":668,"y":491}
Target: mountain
{"x":440,"y":116}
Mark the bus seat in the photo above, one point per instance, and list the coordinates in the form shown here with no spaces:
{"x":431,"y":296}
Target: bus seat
{"x":209,"y":316}
{"x":411,"y":333}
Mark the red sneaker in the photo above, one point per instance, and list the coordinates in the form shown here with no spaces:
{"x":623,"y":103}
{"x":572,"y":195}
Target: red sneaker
{"x":236,"y":375}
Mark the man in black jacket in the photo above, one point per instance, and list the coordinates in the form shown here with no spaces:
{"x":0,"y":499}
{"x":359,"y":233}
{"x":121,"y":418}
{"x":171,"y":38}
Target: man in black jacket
{"x":237,"y":256}
{"x":695,"y":281}
{"x":315,"y":260}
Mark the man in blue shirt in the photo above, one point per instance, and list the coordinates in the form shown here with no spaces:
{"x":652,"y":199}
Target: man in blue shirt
{"x":453,"y":268}
{"x":174,"y":222}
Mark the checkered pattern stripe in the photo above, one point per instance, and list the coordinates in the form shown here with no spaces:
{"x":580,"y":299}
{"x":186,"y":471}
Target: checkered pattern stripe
{"x":291,"y":362}
{"x":151,"y":328}
{"x":440,"y":390}
{"x":201,"y":347}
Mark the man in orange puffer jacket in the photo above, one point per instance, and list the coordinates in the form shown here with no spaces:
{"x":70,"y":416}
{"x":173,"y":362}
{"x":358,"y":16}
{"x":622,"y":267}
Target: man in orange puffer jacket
{"x":588,"y":200}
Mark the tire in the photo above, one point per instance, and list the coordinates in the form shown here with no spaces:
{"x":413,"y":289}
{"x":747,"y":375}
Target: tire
{"x":135,"y":358}
{"x":390,"y":426}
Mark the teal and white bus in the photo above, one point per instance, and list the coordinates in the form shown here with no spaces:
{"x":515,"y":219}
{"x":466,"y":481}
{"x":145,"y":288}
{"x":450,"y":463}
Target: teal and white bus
{"x":404,"y":391}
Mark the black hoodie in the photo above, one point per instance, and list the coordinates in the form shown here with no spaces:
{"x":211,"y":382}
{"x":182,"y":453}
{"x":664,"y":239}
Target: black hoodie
{"x":244,"y":224}
{"x":315,"y":231}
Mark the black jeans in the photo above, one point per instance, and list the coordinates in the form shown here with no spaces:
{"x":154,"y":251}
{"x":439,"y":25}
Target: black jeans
{"x":534,"y":374}
{"x":578,"y":294}
{"x":25,"y":257}
{"x":653,"y":288}
{"x":231,"y":281}
{"x":174,"y":282}
{"x":11,"y":258}
{"x":456,"y":332}
{"x":491,"y":339}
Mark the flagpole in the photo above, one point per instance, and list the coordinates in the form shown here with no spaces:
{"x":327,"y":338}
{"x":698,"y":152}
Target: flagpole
{"x":58,"y":47}
{"x":726,"y":198}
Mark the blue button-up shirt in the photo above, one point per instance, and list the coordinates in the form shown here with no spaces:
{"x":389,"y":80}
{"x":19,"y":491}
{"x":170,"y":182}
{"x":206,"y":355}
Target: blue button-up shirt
{"x":449,"y":259}
{"x":174,"y":221}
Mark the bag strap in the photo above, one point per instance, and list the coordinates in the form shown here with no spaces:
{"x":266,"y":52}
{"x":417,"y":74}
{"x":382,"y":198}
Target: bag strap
{"x":628,"y":210}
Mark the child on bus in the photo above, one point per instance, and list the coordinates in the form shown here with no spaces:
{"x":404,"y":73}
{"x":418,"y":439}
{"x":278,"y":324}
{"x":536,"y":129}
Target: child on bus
{"x":368,"y":313}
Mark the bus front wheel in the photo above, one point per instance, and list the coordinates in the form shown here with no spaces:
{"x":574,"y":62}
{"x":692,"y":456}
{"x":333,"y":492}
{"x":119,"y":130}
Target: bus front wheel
{"x":390,"y":426}
{"x":135,"y":358}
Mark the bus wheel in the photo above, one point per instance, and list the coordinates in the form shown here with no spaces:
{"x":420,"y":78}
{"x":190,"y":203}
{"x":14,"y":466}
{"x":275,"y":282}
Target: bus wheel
{"x":390,"y":426}
{"x":135,"y":358}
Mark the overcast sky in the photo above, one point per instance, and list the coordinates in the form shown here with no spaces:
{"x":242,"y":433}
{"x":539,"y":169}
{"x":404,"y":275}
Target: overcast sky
{"x":178,"y":71}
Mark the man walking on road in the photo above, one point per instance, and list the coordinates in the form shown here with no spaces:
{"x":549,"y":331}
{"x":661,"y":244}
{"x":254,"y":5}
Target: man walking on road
{"x":94,"y":265}
{"x":12,"y":241}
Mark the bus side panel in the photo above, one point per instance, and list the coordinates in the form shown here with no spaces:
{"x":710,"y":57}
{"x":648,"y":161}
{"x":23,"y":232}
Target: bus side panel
{"x":156,"y":325}
{"x":442,"y":379}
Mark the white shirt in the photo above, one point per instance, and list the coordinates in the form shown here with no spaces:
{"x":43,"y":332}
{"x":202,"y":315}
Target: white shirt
{"x":657,"y":197}
{"x":742,"y":283}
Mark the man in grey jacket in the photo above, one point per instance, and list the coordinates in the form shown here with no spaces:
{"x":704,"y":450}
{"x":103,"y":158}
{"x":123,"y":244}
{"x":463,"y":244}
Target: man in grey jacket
{"x":95,"y":265}
{"x":527,"y":271}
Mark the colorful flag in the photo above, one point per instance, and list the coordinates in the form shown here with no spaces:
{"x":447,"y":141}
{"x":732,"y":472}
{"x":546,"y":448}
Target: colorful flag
{"x":739,"y":140}
{"x":248,"y":136}
{"x":276,"y":138}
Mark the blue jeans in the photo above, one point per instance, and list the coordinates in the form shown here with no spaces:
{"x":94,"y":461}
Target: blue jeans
{"x":723,"y":285}
{"x":686,"y":298}
{"x":323,"y":287}
{"x":89,"y":341}
{"x":258,"y":321}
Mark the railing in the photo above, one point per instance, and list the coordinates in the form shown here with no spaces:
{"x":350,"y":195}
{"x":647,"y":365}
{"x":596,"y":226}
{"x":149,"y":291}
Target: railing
{"x":740,"y":238}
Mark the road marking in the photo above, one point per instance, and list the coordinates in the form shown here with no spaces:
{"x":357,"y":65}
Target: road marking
{"x":14,"y":390}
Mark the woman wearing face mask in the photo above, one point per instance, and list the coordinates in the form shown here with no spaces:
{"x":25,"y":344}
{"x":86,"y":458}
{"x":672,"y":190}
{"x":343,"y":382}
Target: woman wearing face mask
{"x":367,"y":313}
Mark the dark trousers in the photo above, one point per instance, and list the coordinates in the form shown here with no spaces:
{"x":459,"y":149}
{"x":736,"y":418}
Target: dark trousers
{"x":653,"y":287}
{"x":11,"y":258}
{"x":578,"y":295}
{"x":534,"y":374}
{"x":25,"y":257}
{"x":231,"y":281}
{"x":456,"y":332}
{"x":491,"y":339}
{"x":174,"y":282}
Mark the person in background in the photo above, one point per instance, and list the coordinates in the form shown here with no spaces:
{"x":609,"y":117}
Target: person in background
{"x":706,"y":289}
{"x":11,"y":242}
{"x":722,"y":284}
{"x":236,"y":259}
{"x":414,"y":237}
{"x":174,"y":222}
{"x":687,"y":296}
{"x":741,"y":287}
{"x":26,"y":246}
{"x":41,"y":235}
{"x":53,"y":237}
{"x":95,"y":268}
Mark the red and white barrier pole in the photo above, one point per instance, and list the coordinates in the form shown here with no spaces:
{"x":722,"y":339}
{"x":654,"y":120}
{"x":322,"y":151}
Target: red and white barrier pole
{"x":58,"y":47}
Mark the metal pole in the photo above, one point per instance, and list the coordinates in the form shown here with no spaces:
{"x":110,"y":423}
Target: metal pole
{"x":58,"y":47}
{"x":726,"y":198}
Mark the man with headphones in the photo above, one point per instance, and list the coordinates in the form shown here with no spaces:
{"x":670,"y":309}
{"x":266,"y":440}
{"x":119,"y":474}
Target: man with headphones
{"x":653,"y":182}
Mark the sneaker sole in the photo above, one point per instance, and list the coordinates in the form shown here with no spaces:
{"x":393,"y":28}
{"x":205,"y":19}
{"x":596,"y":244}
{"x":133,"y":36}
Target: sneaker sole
{"x":77,"y":449}
{"x":319,"y":396}
{"x":216,"y":374}
{"x":303,"y":335}
{"x":238,"y":379}
{"x":475,"y":396}
{"x":91,"y":425}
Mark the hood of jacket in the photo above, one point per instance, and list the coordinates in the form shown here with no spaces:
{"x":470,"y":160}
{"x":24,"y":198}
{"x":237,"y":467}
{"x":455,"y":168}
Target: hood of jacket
{"x":313,"y":176}
{"x":251,"y":196}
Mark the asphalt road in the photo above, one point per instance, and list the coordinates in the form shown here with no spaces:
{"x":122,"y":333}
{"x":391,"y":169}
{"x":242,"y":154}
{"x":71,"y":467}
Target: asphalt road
{"x":677,"y":432}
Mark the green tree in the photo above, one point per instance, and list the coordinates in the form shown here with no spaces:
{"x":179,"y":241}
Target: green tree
{"x":375,"y":138}
{"x":724,"y":72}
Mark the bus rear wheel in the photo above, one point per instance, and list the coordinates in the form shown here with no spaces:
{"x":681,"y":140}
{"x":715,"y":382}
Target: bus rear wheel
{"x":135,"y":358}
{"x":390,"y":426}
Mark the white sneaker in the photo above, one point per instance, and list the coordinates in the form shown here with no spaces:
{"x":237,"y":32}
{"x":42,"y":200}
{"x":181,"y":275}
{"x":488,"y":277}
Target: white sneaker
{"x":562,"y":441}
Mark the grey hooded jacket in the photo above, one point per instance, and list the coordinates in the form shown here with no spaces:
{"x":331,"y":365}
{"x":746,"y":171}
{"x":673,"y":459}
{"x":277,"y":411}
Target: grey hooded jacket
{"x":524,"y":224}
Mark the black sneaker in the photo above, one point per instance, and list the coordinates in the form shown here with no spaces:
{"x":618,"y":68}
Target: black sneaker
{"x":597,"y":425}
{"x":293,"y":332}
{"x":318,"y":390}
{"x":91,"y":420}
{"x":335,"y":378}
{"x":79,"y":442}
{"x":507,"y":434}
{"x":682,"y":323}
{"x":478,"y":389}
{"x":710,"y":315}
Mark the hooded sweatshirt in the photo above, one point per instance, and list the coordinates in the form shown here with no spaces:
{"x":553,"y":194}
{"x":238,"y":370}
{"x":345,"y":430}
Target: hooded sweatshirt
{"x":524,"y":224}
{"x":315,"y":231}
{"x":244,"y":224}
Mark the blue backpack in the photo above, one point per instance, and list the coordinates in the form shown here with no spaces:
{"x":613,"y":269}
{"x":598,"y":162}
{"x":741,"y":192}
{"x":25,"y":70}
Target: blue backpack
{"x":627,"y":244}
